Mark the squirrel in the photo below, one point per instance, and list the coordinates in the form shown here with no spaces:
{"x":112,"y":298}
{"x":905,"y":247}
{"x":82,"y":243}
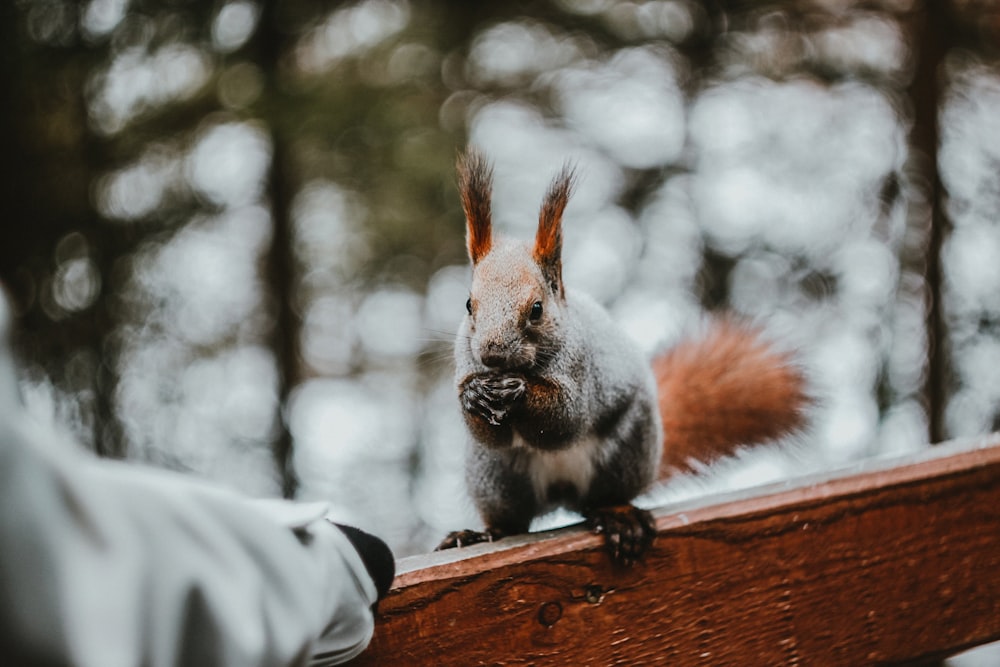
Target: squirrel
{"x":564,"y":410}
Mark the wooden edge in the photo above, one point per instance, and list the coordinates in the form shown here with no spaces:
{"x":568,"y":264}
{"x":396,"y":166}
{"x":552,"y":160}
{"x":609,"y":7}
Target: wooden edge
{"x":935,"y":460}
{"x":887,"y":561}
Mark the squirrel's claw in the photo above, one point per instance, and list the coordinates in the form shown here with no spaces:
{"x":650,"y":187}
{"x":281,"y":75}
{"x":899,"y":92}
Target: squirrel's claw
{"x":464,"y":538}
{"x":628,"y":531}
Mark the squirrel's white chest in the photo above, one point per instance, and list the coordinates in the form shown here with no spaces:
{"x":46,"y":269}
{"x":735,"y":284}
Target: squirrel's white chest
{"x":574,"y":466}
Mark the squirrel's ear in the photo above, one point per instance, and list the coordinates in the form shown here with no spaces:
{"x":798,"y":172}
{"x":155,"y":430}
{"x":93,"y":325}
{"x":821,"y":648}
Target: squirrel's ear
{"x":548,"y":240}
{"x":475,"y":185}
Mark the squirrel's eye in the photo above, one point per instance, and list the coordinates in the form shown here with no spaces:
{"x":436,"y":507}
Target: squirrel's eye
{"x":468,"y":306}
{"x":536,"y":311}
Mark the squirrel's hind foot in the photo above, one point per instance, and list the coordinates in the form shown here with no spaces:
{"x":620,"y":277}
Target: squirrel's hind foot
{"x":628,"y":531}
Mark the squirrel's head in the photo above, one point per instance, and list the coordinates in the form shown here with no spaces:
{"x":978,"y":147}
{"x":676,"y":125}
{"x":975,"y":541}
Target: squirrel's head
{"x":517,"y":297}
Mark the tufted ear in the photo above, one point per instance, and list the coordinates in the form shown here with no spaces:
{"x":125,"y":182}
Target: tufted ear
{"x":548,"y":240}
{"x":475,"y":185}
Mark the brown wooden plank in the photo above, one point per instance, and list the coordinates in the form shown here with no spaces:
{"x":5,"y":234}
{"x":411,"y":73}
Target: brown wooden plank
{"x":891,"y":561}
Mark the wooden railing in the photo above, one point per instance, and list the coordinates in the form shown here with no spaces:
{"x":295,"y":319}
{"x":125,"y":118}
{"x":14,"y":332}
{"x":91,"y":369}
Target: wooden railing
{"x":890,"y":561}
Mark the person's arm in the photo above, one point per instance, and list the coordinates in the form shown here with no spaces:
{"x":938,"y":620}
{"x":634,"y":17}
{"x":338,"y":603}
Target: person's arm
{"x":105,"y":563}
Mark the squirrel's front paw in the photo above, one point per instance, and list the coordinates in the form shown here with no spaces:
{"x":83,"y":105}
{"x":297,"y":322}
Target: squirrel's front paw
{"x":628,"y":531}
{"x":491,"y":396}
{"x":464,"y":538}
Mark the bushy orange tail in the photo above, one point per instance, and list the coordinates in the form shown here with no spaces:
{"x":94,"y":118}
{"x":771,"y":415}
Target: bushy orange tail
{"x":725,"y":390}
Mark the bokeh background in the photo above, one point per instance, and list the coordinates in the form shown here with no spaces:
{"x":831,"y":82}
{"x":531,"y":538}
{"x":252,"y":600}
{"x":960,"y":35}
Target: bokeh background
{"x":233,"y":241}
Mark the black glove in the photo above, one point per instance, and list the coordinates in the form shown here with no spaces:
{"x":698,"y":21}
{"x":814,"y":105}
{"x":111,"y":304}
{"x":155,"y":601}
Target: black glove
{"x":375,"y":555}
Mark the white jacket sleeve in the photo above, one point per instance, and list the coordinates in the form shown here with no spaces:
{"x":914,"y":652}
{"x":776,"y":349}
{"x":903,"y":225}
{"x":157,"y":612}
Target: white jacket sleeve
{"x":105,"y":564}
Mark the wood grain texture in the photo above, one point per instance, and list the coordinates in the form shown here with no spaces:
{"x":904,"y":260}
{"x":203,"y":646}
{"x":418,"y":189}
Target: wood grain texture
{"x":888,"y":562}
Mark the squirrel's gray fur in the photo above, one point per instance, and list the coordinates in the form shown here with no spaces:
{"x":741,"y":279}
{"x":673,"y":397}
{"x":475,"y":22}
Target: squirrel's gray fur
{"x":561,"y":409}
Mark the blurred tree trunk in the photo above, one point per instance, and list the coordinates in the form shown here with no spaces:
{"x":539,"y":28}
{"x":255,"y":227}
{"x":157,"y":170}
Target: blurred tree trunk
{"x":281,"y":271}
{"x":933,"y":34}
{"x":48,"y":160}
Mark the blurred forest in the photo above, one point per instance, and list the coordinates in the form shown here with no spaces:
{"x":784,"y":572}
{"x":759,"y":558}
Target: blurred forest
{"x":233,"y":241}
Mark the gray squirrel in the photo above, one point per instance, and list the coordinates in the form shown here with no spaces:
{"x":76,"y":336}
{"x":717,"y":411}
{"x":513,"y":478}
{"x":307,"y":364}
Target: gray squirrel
{"x":564,"y":410}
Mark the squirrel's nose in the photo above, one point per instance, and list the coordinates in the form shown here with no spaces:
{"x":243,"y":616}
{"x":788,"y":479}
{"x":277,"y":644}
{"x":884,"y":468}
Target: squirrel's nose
{"x":493,"y":355}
